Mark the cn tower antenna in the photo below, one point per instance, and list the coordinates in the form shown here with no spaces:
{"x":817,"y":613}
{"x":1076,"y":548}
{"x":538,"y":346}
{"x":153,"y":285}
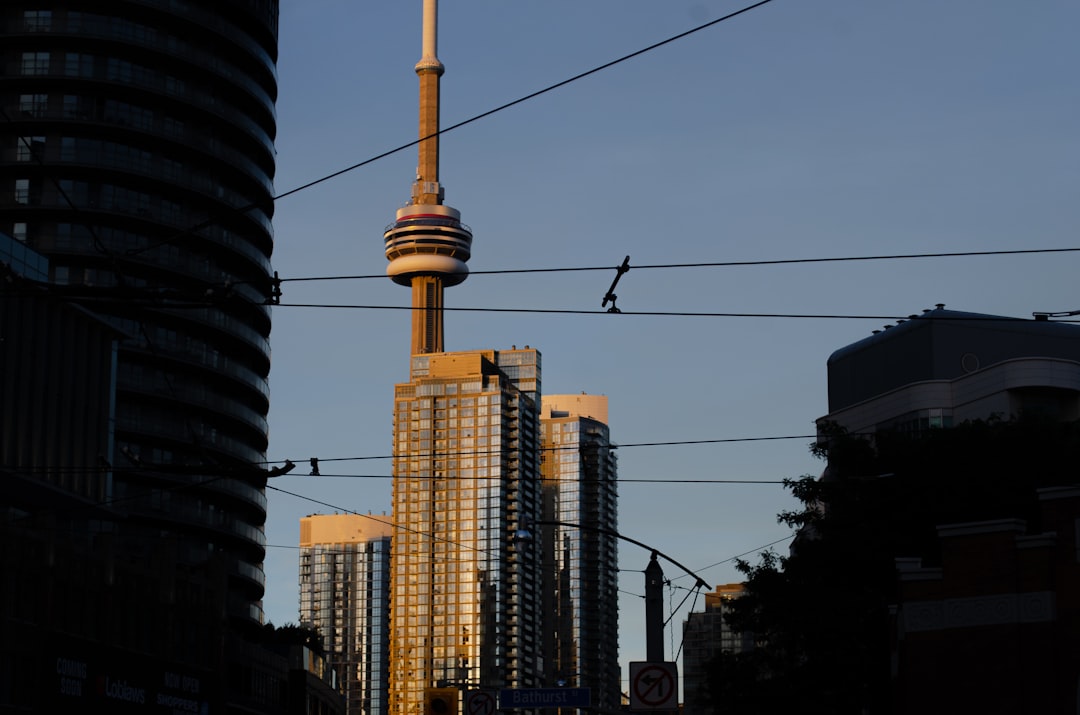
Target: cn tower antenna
{"x":427,"y":245}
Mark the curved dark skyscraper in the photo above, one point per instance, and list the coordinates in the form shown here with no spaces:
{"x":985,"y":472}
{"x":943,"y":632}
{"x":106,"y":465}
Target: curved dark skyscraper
{"x":137,"y":156}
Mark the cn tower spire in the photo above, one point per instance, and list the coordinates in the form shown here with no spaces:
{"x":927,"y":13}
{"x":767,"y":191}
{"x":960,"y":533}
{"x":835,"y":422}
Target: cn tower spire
{"x":427,"y":245}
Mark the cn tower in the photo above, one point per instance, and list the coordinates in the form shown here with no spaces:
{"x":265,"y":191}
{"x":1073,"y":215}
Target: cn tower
{"x":427,"y":245}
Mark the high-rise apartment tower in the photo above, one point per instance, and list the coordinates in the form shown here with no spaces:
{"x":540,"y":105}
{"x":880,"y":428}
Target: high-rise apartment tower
{"x":345,"y":597}
{"x":466,"y":604}
{"x":136,"y":154}
{"x":578,"y":536}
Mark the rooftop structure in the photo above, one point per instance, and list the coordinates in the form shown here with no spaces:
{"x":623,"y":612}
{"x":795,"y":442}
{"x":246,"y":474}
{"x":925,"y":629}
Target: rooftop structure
{"x":946,"y":366}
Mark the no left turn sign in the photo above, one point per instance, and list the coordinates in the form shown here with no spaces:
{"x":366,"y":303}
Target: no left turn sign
{"x":480,"y":702}
{"x":654,"y":686}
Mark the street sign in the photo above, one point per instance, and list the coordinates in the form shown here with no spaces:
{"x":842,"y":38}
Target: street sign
{"x":510,"y":698}
{"x":480,"y":702}
{"x":654,"y":686}
{"x":441,"y":701}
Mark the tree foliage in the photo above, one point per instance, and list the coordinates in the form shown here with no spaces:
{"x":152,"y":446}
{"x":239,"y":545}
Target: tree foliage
{"x":821,"y":614}
{"x":292,"y":634}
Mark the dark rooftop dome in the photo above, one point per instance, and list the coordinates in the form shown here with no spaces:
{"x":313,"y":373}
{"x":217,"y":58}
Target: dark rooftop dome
{"x":941,"y":344}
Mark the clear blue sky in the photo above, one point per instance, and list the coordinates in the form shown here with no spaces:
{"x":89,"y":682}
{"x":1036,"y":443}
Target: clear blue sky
{"x":797,"y":130}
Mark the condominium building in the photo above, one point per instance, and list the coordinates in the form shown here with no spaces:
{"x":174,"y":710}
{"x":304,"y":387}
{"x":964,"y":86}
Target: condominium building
{"x":996,"y":580}
{"x":465,"y":600}
{"x":579,"y":537}
{"x":345,"y":597}
{"x":136,"y":160}
{"x":136,"y":155}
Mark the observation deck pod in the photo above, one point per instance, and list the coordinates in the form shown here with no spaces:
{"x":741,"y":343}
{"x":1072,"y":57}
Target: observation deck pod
{"x":428,"y":240}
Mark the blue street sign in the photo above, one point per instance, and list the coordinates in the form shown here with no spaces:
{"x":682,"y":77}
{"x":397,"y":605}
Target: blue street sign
{"x":511,"y":698}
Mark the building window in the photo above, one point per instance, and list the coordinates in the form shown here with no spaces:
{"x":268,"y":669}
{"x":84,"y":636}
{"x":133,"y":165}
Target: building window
{"x":119,"y":70}
{"x":22,"y":191}
{"x":67,"y":149}
{"x":72,"y":107}
{"x":78,"y":65}
{"x":37,"y":20}
{"x":30,"y":148}
{"x":33,"y":105}
{"x":35,"y":63}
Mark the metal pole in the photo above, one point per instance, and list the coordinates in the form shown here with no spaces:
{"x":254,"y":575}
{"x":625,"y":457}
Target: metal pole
{"x":654,"y":611}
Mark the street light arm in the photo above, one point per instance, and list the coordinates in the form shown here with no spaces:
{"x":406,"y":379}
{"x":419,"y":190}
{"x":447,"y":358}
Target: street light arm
{"x":609,"y":532}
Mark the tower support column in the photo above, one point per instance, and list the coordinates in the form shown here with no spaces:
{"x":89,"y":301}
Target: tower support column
{"x":427,"y":314}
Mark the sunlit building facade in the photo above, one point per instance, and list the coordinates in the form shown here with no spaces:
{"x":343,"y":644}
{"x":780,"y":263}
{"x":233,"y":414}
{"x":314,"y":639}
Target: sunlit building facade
{"x":465,"y":601}
{"x":345,"y":597}
{"x":578,"y":533}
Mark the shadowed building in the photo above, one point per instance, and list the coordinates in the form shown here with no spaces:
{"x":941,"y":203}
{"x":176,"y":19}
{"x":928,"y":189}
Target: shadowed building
{"x":945,"y":366}
{"x":75,"y":613}
{"x":136,"y":156}
{"x":705,"y":636}
{"x":983,"y":618}
{"x":992,"y":625}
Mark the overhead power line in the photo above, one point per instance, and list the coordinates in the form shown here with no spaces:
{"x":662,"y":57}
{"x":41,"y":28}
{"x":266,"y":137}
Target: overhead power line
{"x":384,"y":519}
{"x":527,"y":97}
{"x":759,"y":549}
{"x":178,"y":300}
{"x":620,"y":445}
{"x":282,"y":467}
{"x":662,"y":313}
{"x":619,"y":480}
{"x":378,"y":519}
{"x":721,"y":264}
{"x":242,"y":210}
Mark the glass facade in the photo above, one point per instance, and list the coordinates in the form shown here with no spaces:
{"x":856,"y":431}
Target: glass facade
{"x":919,"y":421}
{"x":22,"y":260}
{"x":137,"y":157}
{"x":465,"y":604}
{"x":345,"y":596}
{"x":580,"y":524}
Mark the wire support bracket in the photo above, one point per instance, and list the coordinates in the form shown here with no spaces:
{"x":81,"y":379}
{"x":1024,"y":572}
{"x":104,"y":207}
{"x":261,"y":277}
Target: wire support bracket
{"x":610,"y":295}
